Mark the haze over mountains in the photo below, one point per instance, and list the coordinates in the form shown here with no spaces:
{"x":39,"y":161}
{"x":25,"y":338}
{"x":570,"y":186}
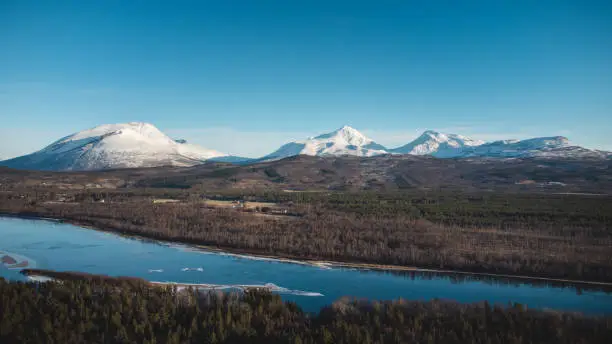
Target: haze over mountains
{"x":130,"y":145}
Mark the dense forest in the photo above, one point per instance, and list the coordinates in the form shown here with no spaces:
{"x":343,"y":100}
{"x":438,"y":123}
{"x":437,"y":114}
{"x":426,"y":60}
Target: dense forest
{"x":560,"y":236}
{"x":91,"y":311}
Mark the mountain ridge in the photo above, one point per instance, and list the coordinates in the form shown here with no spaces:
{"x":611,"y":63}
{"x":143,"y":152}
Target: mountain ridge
{"x":139,"y":144}
{"x":437,"y":144}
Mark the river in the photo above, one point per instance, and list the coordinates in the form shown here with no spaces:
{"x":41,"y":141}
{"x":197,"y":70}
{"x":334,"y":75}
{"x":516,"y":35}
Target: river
{"x":63,"y":247}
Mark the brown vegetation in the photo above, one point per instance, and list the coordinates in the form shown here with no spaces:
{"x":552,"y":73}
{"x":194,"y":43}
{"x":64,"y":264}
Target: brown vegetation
{"x":381,"y":173}
{"x":558,"y":236}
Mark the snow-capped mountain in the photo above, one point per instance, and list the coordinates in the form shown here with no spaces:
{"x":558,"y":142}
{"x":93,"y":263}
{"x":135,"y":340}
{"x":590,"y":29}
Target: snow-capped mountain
{"x":516,"y":148}
{"x":442,"y":145}
{"x":343,"y":141}
{"x":552,"y":147}
{"x":437,"y":144}
{"x":131,"y":145}
{"x":124,"y":145}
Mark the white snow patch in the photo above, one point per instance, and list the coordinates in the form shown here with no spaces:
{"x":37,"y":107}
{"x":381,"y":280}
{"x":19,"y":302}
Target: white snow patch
{"x":343,"y":141}
{"x":125,"y":145}
{"x":268,"y":286}
{"x":41,"y":279}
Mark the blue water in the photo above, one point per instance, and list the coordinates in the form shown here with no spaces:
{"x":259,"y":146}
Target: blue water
{"x":63,"y":247}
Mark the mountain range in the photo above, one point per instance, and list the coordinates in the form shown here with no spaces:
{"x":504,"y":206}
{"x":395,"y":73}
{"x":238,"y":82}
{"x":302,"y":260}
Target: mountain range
{"x":135,"y":144}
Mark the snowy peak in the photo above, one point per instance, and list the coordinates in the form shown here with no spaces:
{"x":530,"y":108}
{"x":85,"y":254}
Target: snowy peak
{"x":546,"y":142}
{"x":349,"y":141}
{"x":346,"y":135}
{"x":452,"y":140}
{"x":343,"y":141}
{"x":123,"y":145}
{"x":137,"y":144}
{"x":437,"y":144}
{"x":443,"y":145}
{"x":442,"y":137}
{"x":540,"y":146}
{"x":133,"y":136}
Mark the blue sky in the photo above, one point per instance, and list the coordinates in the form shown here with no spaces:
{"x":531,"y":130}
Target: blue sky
{"x":246,"y":76}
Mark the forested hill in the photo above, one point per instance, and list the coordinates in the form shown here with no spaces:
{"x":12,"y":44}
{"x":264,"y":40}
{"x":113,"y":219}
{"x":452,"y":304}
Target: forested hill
{"x":347,"y":173}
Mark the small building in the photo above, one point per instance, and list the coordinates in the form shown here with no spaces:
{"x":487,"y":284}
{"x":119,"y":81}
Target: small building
{"x":240,"y":204}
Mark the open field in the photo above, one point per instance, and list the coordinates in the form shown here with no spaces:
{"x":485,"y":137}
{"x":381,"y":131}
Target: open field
{"x":234,"y":204}
{"x":165,"y":200}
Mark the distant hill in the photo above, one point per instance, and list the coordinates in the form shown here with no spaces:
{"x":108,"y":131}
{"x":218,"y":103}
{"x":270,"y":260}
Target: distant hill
{"x":348,"y":173}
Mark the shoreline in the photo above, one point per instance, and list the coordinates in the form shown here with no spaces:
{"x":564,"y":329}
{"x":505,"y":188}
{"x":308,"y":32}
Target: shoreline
{"x":391,"y":268}
{"x":45,"y":275}
{"x":253,"y":254}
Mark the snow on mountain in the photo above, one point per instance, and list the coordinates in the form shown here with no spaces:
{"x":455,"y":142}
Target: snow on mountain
{"x":124,"y":145}
{"x":551,"y":147}
{"x":442,"y":145}
{"x":575,"y":152}
{"x":437,"y":144}
{"x":343,"y":141}
{"x":516,"y":148}
{"x":348,"y":141}
{"x":136,"y":144}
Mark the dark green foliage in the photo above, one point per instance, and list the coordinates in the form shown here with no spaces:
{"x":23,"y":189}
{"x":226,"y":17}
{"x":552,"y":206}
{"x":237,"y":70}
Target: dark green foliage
{"x":271,"y":172}
{"x":94,"y":311}
{"x":223,"y":173}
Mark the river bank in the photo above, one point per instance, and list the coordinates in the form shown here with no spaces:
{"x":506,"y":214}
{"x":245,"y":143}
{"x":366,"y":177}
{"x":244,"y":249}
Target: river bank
{"x":255,"y":317}
{"x":311,"y":284}
{"x":44,"y":275}
{"x":561,"y":237}
{"x":320,"y":263}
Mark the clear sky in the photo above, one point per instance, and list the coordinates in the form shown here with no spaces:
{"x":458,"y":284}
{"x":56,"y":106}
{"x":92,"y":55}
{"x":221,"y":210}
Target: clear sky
{"x":244,"y":77}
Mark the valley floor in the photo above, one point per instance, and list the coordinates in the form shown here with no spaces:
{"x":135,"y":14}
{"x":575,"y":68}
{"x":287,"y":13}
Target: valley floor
{"x":547,"y":237}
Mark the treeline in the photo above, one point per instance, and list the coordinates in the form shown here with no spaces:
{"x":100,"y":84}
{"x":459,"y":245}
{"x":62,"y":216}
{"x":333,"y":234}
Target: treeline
{"x":466,"y":209}
{"x":96,"y":312}
{"x":546,"y":236}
